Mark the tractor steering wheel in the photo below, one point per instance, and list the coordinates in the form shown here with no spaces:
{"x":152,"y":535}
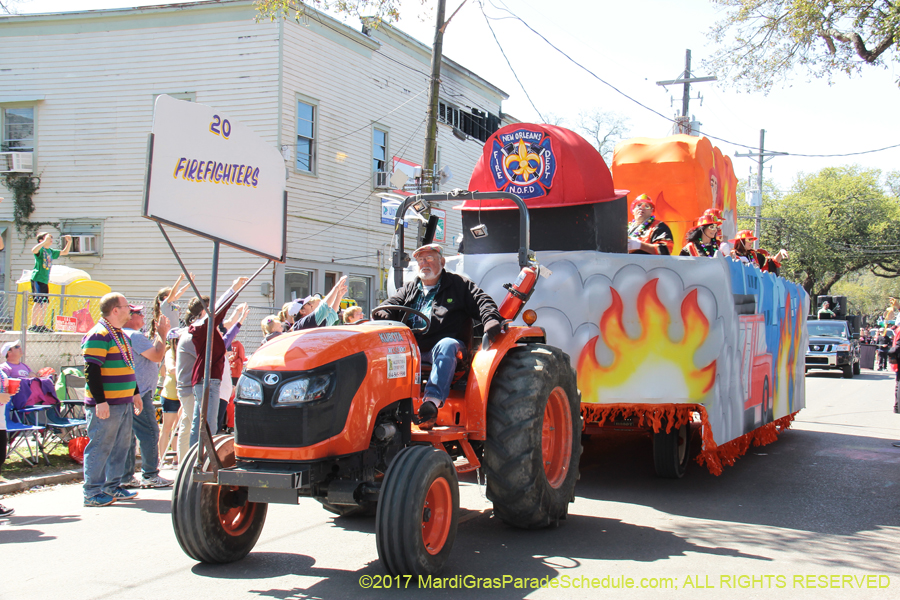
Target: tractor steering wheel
{"x":407,"y":310}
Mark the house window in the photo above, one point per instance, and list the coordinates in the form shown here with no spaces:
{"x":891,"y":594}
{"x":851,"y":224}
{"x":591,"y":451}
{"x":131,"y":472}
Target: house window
{"x":86,"y":236}
{"x":360,"y":288}
{"x":298,"y":284}
{"x":380,"y":150}
{"x":18,"y":129}
{"x":306,"y":137}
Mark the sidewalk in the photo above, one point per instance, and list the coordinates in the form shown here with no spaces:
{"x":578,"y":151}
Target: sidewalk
{"x":12,"y":486}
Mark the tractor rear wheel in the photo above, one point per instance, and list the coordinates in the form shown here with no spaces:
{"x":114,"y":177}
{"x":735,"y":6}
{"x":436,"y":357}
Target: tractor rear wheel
{"x":533,"y":440}
{"x":415,"y":524}
{"x":214,"y":523}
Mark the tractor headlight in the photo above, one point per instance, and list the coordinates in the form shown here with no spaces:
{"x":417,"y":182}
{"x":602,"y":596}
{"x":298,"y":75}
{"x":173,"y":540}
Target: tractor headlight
{"x":249,"y":391}
{"x":843,"y":348}
{"x":305,"y":389}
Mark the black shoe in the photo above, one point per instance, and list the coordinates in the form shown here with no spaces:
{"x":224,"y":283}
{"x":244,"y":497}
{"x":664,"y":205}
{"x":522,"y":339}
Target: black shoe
{"x":6,"y":512}
{"x":427,"y":416}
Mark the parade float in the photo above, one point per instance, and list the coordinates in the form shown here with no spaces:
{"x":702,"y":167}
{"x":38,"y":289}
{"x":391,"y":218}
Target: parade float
{"x":666,"y":344}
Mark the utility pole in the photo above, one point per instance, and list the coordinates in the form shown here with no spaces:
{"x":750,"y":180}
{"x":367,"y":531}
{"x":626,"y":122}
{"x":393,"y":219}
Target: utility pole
{"x":433,"y":95}
{"x":683,"y":123}
{"x":761,"y":157}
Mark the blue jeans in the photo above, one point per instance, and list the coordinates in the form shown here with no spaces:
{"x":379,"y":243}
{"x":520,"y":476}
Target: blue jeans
{"x":443,"y":364}
{"x":146,"y":430}
{"x":212,"y":411}
{"x":107,"y":448}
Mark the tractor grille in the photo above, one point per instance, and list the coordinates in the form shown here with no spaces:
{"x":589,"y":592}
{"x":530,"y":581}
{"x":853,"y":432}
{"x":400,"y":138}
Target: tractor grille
{"x":308,"y":423}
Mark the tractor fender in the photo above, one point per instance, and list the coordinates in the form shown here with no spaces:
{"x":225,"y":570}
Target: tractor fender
{"x":483,"y":366}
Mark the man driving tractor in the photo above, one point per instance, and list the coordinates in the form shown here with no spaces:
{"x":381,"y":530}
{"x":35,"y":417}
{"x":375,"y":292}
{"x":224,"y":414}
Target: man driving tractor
{"x":451,"y":302}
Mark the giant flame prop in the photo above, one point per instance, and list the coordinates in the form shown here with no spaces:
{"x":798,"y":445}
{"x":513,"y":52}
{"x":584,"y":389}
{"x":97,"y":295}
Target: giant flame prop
{"x":652,"y":357}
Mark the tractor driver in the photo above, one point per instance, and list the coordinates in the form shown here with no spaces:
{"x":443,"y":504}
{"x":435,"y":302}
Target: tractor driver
{"x":451,"y":301}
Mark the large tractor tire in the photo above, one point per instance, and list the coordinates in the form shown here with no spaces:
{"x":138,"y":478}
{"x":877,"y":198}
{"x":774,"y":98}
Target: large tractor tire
{"x":214,"y":523}
{"x":533,"y":440}
{"x":672,"y":451}
{"x":415,"y":524}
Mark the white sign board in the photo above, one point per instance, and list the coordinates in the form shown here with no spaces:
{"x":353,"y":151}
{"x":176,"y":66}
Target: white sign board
{"x":212,"y":176}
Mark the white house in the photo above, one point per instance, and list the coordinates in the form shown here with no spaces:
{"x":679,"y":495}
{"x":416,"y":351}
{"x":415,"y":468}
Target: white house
{"x":77,"y":92}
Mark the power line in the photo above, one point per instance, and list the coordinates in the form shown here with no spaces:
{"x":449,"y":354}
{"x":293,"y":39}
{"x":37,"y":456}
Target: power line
{"x":375,"y":120}
{"x":509,"y":64}
{"x":644,"y":106}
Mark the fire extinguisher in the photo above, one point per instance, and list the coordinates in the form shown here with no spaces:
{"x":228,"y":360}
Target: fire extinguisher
{"x":519,"y":292}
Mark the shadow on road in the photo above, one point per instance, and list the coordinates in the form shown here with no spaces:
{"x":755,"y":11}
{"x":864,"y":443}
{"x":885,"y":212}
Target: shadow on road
{"x":827,"y":483}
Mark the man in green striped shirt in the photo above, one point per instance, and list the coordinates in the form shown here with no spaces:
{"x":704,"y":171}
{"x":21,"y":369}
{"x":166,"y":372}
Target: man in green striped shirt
{"x":111,"y":394}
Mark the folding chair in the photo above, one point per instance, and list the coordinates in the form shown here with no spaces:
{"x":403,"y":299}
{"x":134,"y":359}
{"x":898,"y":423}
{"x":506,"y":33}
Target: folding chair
{"x":58,"y":430}
{"x":73,"y":405}
{"x":18,"y":433}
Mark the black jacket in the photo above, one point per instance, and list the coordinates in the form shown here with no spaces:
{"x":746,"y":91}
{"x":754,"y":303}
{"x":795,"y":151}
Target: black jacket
{"x":457,"y":302}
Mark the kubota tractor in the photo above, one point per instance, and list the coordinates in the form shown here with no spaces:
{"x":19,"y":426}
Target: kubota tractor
{"x":327,"y":413}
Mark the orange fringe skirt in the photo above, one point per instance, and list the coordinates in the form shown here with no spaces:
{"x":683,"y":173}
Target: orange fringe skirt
{"x":657,"y":416}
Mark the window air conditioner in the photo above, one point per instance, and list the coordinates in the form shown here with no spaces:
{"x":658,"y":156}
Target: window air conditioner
{"x":382,"y":180}
{"x":84,"y":244}
{"x":16,"y":162}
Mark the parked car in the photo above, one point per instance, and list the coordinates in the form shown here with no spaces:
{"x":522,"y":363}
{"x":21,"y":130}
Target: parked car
{"x":832,"y":346}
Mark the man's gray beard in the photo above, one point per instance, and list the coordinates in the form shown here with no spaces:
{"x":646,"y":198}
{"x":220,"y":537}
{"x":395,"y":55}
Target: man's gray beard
{"x":419,"y":275}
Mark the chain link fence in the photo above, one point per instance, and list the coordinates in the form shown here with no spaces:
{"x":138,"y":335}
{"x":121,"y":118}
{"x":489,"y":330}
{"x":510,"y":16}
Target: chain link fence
{"x":50,"y":335}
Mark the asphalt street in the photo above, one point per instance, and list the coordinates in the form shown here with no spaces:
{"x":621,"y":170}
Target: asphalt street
{"x":814,"y":515}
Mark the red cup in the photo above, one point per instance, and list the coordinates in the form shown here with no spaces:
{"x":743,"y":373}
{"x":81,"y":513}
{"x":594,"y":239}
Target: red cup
{"x":12,"y":386}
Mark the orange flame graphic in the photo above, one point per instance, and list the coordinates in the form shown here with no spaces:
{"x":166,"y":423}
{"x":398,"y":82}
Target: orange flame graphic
{"x":651,"y":357}
{"x":788,"y":351}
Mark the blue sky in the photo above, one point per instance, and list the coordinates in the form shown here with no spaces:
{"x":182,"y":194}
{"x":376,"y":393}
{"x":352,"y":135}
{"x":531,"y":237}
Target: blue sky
{"x":631,"y":46}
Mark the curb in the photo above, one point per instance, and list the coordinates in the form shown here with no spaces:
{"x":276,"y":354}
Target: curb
{"x":18,"y":485}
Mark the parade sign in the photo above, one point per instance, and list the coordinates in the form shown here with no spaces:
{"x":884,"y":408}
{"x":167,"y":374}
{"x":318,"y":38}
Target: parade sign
{"x":212,"y":176}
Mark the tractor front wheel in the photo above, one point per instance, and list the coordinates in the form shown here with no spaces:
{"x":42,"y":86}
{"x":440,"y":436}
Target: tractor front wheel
{"x":533,"y":440}
{"x":214,"y":523}
{"x":415,"y":524}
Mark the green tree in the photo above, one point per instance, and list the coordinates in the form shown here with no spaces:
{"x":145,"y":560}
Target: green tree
{"x":762,"y":41}
{"x":868,"y":294}
{"x":835,"y":222}
{"x":386,"y":10}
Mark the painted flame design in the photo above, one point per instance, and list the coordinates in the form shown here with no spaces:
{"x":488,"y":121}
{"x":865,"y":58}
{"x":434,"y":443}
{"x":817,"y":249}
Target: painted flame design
{"x":786,"y":364}
{"x":652,"y":363}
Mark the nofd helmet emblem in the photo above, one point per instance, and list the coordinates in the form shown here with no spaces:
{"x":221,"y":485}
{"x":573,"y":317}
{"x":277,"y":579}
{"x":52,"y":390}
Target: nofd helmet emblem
{"x":523,"y":163}
{"x":271,"y":379}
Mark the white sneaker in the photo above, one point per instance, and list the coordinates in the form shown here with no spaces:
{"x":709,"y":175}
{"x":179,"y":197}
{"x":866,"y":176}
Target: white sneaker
{"x":155,"y":482}
{"x":130,"y":484}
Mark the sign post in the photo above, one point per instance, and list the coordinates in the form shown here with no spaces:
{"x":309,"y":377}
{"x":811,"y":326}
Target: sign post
{"x":211,"y":176}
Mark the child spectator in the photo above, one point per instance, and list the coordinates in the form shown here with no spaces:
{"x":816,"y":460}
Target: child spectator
{"x":40,"y":277}
{"x":271,"y":327}
{"x":169,"y":396}
{"x":11,"y":352}
{"x":353,"y":314}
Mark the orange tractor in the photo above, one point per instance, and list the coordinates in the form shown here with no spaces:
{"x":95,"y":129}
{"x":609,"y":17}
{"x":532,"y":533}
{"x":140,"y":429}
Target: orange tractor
{"x":327,"y":413}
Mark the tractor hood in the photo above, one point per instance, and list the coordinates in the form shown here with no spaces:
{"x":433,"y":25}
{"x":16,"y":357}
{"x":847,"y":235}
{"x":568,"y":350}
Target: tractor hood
{"x":311,"y":348}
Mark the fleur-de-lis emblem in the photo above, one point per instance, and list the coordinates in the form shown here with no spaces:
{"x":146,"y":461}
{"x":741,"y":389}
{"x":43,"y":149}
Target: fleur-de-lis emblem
{"x":523,"y":159}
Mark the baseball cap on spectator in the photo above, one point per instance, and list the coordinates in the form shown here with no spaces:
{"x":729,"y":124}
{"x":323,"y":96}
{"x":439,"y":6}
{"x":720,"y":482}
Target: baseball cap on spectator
{"x":136,"y":308}
{"x":296,"y":305}
{"x":7,"y":347}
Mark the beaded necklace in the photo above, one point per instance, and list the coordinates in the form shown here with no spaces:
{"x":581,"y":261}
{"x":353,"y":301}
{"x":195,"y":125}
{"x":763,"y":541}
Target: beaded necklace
{"x":121,"y":343}
{"x":708,"y":249}
{"x":639,"y":231}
